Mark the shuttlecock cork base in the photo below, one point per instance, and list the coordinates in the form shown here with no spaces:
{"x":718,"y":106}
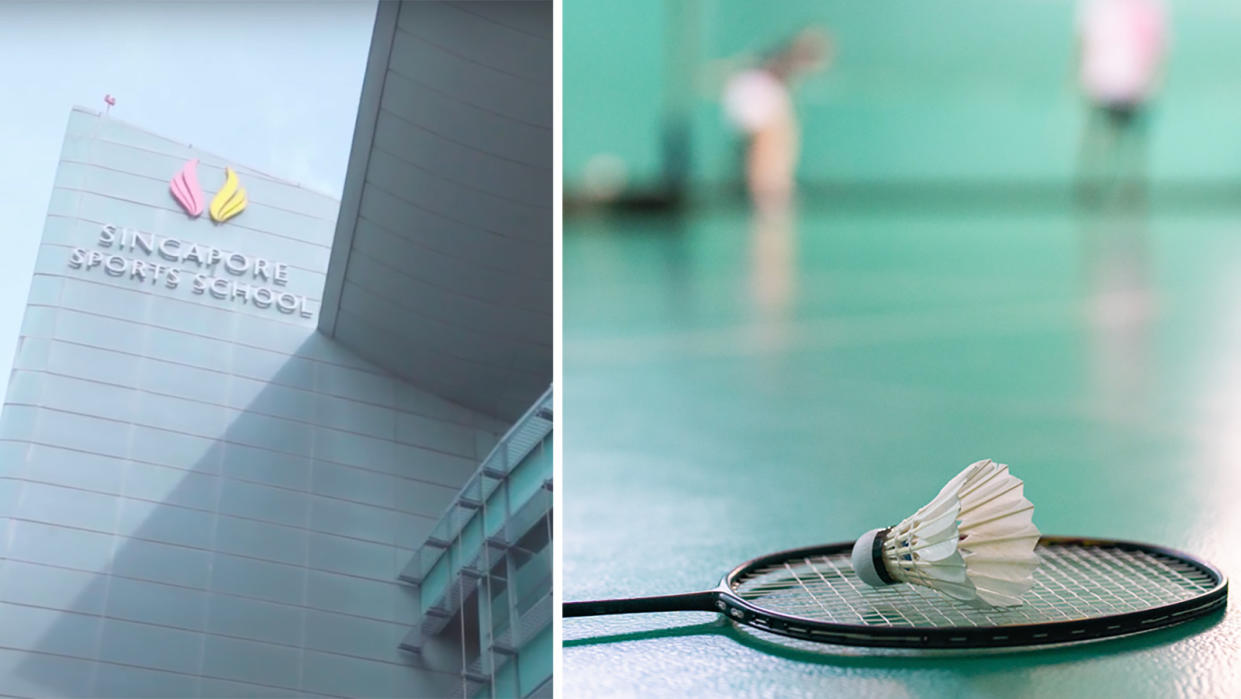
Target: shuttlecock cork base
{"x":973,"y":542}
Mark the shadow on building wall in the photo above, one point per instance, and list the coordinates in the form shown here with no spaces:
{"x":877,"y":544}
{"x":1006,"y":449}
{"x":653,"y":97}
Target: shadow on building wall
{"x":265,"y":565}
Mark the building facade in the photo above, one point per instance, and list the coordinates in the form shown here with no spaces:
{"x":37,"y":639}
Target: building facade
{"x":202,"y":494}
{"x":441,"y":272}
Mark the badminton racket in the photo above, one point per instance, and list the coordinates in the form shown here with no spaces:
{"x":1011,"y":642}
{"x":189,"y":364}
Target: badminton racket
{"x":1084,"y":590}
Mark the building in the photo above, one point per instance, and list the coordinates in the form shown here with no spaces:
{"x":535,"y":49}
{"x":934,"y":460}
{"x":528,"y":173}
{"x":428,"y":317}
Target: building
{"x":244,"y":417}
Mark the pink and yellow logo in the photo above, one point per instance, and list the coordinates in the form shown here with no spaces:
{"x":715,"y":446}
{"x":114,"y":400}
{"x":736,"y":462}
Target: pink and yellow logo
{"x":227,"y":203}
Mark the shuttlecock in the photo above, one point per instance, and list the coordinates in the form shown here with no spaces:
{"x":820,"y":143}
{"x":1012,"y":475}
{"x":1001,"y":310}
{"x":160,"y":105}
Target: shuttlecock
{"x":973,"y":542}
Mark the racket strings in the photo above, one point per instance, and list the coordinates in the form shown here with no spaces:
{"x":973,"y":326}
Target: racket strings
{"x":1072,"y":582}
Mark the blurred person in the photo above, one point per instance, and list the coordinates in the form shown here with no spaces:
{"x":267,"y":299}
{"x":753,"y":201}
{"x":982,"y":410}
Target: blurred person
{"x":758,"y":102}
{"x":1121,"y":48}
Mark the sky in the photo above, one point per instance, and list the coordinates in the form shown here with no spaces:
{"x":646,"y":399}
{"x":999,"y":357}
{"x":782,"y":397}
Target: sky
{"x":273,"y":86}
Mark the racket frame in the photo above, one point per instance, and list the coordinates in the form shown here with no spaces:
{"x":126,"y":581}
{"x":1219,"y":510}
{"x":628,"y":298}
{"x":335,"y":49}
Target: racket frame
{"x":725,"y":601}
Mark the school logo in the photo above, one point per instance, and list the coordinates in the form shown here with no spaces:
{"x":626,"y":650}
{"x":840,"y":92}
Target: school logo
{"x":159,"y":260}
{"x":227,"y":203}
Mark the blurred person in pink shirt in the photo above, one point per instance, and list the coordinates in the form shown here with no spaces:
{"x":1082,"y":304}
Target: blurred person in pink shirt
{"x":1121,"y":50}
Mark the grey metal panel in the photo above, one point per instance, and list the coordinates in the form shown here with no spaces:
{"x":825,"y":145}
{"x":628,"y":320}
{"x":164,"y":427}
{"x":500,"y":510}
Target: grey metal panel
{"x":502,"y":177}
{"x":441,"y":270}
{"x":500,"y":315}
{"x":501,"y":47}
{"x":421,"y":226}
{"x":507,"y":15}
{"x":467,"y":125}
{"x":428,"y":190}
{"x":451,"y":268}
{"x":437,"y":68}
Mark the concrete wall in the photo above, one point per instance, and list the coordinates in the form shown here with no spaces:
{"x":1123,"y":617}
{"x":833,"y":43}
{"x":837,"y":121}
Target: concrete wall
{"x":444,"y":272}
{"x":202,"y":497}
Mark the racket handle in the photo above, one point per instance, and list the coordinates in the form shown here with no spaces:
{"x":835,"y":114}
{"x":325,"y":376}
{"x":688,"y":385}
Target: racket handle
{"x":692,"y":602}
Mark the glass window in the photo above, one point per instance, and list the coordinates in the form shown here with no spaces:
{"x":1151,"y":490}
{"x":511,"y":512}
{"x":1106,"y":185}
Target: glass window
{"x":506,"y":681}
{"x":528,"y":477}
{"x":472,"y":538}
{"x":534,"y":662}
{"x":436,"y":582}
{"x":497,"y":510}
{"x":499,"y":598}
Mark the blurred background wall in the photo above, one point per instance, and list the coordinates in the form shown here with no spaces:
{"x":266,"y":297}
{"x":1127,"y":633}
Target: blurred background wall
{"x":970,"y":92}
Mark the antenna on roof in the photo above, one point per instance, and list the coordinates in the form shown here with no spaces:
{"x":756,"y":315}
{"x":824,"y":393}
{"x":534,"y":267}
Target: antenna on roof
{"x":110,"y":101}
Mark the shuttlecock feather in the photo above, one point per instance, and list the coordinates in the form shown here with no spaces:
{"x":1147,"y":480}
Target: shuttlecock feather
{"x":973,"y":542}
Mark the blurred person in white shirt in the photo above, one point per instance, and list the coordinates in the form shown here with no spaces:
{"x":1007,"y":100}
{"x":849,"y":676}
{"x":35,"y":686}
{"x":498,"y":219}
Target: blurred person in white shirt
{"x":758,"y":103}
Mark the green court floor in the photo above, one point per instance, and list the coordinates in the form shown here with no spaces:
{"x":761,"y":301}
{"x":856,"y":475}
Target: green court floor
{"x":734,"y":387}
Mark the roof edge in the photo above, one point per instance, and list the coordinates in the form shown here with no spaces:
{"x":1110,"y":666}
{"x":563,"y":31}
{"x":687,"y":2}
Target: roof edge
{"x":359,"y":160}
{"x":245,"y":169}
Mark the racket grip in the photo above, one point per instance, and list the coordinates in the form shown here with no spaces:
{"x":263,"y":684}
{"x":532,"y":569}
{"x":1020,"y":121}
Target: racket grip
{"x":692,"y":602}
